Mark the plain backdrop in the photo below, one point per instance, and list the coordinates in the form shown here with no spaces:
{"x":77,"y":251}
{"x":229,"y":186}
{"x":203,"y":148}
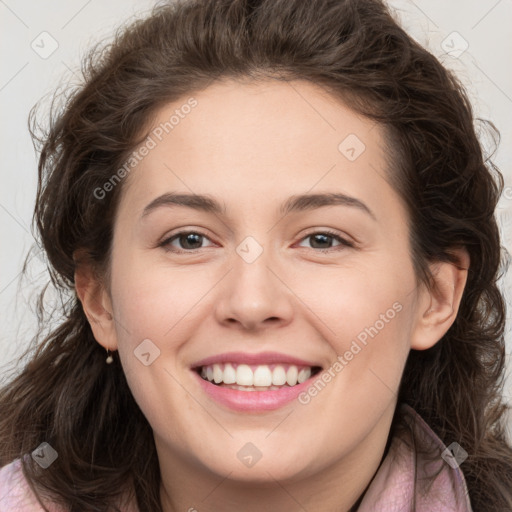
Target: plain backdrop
{"x":42,"y":44}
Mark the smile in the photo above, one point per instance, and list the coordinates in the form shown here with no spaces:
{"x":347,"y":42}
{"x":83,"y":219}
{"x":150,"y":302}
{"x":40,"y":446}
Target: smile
{"x":253,"y":383}
{"x":262,"y":377}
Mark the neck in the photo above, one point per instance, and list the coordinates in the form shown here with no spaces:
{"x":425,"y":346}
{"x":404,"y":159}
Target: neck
{"x":340,"y":486}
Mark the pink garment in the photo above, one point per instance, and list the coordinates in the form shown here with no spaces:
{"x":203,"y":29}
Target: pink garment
{"x":16,"y":495}
{"x":392,"y":489}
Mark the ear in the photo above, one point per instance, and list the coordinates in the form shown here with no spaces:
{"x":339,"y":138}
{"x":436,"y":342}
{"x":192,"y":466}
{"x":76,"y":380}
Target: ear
{"x":96,"y":303}
{"x":438,"y":307}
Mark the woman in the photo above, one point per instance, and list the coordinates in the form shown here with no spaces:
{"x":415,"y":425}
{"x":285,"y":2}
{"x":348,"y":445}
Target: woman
{"x":280,"y":230}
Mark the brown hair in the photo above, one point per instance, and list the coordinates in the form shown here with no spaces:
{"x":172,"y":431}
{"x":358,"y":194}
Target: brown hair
{"x":66,"y":395}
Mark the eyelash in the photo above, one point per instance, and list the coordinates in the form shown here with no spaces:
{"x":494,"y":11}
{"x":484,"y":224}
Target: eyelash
{"x":343,"y":242}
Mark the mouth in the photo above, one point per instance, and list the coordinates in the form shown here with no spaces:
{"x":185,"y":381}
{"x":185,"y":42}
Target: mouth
{"x":254,"y":382}
{"x":256,"y":377}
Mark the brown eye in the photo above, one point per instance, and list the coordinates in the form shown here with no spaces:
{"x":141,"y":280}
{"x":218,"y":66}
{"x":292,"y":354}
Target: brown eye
{"x":184,"y":241}
{"x":325,"y":240}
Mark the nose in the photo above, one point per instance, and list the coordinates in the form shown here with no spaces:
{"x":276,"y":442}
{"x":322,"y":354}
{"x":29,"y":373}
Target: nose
{"x":254,"y":296}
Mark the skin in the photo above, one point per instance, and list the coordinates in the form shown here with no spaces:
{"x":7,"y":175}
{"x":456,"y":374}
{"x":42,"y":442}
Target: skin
{"x":251,"y":146}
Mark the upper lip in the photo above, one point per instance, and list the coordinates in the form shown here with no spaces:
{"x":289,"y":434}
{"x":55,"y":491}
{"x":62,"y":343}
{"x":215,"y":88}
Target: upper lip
{"x":258,"y":358}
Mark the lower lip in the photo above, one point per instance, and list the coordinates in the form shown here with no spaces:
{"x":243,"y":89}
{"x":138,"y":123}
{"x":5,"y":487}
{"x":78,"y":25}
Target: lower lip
{"x":253,"y":400}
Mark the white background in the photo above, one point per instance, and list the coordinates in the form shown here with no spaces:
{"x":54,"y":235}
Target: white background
{"x":476,"y":32}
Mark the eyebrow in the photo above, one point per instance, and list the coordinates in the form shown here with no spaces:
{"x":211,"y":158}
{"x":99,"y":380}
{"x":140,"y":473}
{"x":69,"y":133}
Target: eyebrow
{"x":296,"y":203}
{"x":313,"y":201}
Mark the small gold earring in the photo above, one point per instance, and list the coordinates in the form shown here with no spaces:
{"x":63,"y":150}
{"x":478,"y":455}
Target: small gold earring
{"x":109,"y":359}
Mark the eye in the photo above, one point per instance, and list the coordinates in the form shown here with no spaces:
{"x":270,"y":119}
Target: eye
{"x":324,"y":240}
{"x":187,"y":241}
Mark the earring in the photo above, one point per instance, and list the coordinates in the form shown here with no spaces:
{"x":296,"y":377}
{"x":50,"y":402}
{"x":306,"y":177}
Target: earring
{"x":109,"y":359}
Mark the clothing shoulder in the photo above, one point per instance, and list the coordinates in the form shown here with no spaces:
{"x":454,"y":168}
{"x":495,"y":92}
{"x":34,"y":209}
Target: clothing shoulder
{"x":17,"y":496}
{"x":15,"y":492}
{"x":408,"y":479}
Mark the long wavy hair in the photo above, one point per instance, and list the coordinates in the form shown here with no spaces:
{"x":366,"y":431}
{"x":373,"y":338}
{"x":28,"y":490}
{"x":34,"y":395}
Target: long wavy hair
{"x":354,"y":49}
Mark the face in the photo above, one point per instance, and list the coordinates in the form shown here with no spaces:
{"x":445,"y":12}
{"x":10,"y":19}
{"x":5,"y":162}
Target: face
{"x":256,"y":275}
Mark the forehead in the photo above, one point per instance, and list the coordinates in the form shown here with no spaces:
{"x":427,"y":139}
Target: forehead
{"x":271,"y":139}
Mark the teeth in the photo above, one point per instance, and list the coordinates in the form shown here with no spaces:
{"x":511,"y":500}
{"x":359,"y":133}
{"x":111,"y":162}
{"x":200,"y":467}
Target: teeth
{"x":243,"y":376}
{"x":279,"y":376}
{"x":229,"y":376}
{"x":304,"y":374}
{"x":252,"y":388}
{"x":217,"y":373}
{"x":291,"y":375}
{"x":262,"y":376}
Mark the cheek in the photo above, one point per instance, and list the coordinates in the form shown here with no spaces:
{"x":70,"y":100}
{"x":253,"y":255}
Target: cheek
{"x":365,"y":315}
{"x":151,"y":309}
{"x":153,"y":302}
{"x":350,"y":300}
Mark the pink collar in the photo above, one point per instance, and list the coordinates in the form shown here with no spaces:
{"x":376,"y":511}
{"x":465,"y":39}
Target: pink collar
{"x":401,"y":483}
